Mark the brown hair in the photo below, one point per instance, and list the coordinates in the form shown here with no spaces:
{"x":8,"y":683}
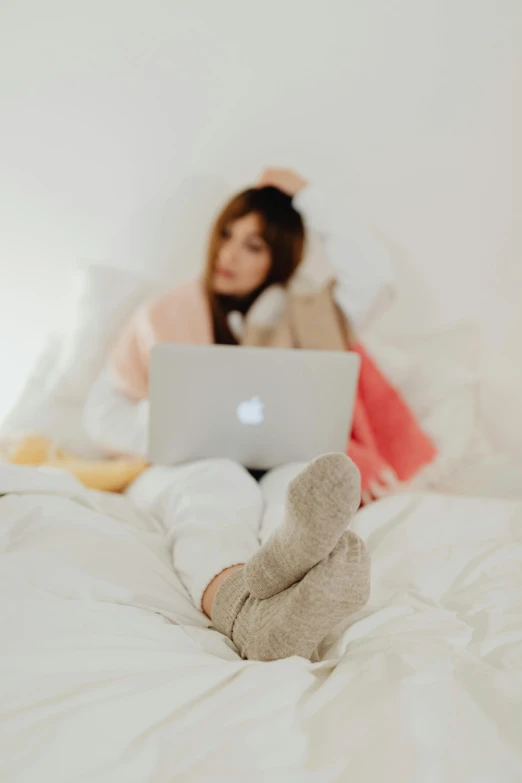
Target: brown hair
{"x":282,"y":229}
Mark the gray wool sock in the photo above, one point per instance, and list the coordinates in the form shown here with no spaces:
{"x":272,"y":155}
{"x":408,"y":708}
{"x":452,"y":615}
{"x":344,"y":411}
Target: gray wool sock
{"x":295,"y":621}
{"x":320,"y":503}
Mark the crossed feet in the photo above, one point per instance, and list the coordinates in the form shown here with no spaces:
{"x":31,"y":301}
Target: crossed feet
{"x":310,"y":575}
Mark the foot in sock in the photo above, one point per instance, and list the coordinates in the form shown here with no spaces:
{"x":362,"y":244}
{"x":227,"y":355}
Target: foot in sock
{"x":320,"y":503}
{"x":296,"y":620}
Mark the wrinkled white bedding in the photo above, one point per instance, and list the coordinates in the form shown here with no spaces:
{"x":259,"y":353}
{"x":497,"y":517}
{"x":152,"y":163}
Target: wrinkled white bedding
{"x":109,"y":674}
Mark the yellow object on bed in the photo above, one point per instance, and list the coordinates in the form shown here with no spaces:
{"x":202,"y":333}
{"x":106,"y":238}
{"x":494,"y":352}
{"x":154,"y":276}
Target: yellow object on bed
{"x":108,"y":475}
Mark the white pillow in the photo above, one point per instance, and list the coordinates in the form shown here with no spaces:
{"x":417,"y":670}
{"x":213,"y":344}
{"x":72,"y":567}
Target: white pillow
{"x":438,"y":375}
{"x":35,"y":389}
{"x":101,"y":300}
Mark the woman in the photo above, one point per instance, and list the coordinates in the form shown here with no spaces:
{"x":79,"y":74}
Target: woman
{"x":284,"y":597}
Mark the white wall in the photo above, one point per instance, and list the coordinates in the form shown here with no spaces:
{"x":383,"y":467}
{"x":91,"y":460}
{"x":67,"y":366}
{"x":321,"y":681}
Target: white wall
{"x":415,"y":105}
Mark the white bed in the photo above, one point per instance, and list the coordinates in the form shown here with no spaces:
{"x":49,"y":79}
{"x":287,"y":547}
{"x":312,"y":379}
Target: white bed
{"x":110,"y":674}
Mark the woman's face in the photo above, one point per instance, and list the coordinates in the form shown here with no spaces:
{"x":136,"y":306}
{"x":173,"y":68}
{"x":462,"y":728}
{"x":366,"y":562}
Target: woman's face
{"x":243,"y":259}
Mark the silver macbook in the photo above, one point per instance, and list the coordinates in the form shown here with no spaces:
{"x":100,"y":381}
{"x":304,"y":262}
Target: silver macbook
{"x":261,"y":407}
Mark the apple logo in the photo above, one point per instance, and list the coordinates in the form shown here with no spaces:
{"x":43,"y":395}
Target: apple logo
{"x":251,"y":411}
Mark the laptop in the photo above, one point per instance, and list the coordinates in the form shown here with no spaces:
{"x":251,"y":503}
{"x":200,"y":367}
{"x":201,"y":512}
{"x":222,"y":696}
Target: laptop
{"x":261,"y":407}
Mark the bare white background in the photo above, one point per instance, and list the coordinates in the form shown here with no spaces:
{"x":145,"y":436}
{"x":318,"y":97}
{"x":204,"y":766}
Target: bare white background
{"x":108,"y":109}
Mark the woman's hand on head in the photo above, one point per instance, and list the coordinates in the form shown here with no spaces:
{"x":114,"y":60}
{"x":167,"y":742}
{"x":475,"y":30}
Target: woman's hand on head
{"x":285,"y":179}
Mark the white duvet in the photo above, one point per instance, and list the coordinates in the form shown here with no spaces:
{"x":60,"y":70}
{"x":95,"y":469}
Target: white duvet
{"x":109,"y":674}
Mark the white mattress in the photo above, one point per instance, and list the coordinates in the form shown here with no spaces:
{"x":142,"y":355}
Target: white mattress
{"x":109,"y":674}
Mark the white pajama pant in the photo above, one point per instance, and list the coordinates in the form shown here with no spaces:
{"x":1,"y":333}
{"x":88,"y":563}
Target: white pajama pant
{"x":214,"y":514}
